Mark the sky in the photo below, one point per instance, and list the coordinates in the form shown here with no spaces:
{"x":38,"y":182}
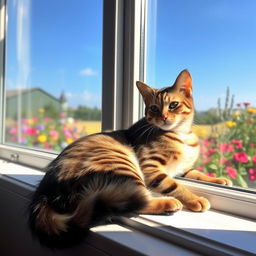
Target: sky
{"x":57,"y":46}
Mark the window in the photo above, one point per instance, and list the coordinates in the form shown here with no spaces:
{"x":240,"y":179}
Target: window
{"x":53,"y":72}
{"x":216,"y":41}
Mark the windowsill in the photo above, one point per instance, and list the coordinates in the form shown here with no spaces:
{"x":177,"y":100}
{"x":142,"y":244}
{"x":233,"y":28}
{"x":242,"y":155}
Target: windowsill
{"x":182,"y":230}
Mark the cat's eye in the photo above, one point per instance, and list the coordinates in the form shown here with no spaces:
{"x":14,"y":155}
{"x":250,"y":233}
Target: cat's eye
{"x":173,"y":105}
{"x":154,"y":108}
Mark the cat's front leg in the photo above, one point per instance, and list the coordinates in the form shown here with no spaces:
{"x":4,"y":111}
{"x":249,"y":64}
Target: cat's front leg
{"x":196,"y":175}
{"x":165,"y":185}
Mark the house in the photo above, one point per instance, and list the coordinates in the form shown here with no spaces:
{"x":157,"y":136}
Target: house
{"x":28,"y":102}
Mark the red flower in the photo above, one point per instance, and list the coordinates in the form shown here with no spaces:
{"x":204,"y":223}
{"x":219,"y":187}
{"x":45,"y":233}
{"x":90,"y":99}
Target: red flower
{"x":210,"y":151}
{"x":253,"y":146}
{"x":237,"y":143}
{"x":246,"y":104}
{"x":254,"y":159}
{"x":231,"y":172}
{"x":252,"y":174}
{"x":225,"y":161}
{"x":31,"y":131}
{"x":210,"y":174}
{"x":207,"y":143}
{"x":226,"y":147}
{"x":199,"y":168}
{"x":240,"y":157}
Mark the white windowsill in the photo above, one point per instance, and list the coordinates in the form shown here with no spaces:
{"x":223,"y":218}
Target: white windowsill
{"x":218,"y":227}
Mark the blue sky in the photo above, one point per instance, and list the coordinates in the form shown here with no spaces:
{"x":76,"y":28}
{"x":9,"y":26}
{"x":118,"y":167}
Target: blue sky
{"x":60,"y":48}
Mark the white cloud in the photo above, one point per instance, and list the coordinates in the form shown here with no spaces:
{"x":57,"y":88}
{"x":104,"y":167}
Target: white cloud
{"x":85,"y":98}
{"x":87,"y":72}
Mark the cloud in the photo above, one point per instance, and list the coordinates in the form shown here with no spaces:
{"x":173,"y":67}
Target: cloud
{"x":85,"y":98}
{"x":87,"y":72}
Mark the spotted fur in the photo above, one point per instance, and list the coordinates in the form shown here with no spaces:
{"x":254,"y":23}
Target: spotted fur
{"x":111,"y":174}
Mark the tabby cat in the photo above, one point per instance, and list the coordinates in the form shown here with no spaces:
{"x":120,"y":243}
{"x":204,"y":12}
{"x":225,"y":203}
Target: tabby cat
{"x":114,"y":173}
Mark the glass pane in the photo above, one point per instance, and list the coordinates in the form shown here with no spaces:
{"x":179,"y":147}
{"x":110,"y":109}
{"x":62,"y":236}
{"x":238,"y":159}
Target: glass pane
{"x":216,"y":41}
{"x":53,"y":72}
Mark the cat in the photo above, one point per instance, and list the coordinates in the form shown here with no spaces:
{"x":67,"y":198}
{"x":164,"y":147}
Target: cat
{"x":113,"y":173}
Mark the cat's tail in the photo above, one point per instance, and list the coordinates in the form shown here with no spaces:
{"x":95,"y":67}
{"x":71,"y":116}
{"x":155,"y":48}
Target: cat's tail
{"x":102,"y":198}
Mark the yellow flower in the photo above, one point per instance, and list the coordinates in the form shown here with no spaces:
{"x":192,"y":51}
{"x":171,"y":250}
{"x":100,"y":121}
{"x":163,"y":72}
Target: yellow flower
{"x":41,"y":110}
{"x":237,"y":113}
{"x":31,"y":121}
{"x":69,"y":140}
{"x":230,"y":124}
{"x":42,"y":138}
{"x":54,"y":138}
{"x":251,"y":110}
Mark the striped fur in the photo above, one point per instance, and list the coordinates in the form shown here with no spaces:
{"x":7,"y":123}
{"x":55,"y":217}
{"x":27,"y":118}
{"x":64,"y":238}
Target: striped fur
{"x":111,"y":174}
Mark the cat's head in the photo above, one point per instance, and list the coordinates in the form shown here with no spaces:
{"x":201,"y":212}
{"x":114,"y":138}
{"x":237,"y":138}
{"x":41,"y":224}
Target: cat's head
{"x":170,"y":108}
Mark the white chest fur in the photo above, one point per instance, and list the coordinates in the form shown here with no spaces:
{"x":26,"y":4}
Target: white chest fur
{"x":189,"y":151}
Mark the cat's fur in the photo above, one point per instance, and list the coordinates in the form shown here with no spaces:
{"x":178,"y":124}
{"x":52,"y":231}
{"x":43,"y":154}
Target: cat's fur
{"x":111,"y":174}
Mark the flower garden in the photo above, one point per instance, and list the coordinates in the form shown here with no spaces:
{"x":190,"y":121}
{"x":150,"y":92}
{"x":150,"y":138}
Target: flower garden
{"x":48,"y":133}
{"x":231,"y":151}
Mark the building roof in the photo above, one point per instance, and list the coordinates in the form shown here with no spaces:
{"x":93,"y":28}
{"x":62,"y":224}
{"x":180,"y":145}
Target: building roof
{"x":13,"y":93}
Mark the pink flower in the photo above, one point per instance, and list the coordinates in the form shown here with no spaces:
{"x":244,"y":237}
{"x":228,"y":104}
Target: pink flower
{"x":199,"y":168}
{"x":211,"y":151}
{"x":31,"y":131}
{"x":254,"y":159}
{"x":246,"y":104}
{"x":252,"y":174}
{"x":13,"y":130}
{"x":207,"y":143}
{"x":54,"y":133}
{"x":210,"y":174}
{"x":240,"y":157}
{"x":253,"y":146}
{"x":231,"y":172}
{"x":225,"y":161}
{"x":226,"y":147}
{"x":237,"y":143}
{"x":207,"y":160}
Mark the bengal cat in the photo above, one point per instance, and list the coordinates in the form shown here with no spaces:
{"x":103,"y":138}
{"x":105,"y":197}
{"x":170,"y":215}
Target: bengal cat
{"x":113,"y":173}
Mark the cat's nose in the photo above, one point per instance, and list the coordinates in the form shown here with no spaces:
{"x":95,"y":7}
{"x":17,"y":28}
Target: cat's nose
{"x":164,"y":117}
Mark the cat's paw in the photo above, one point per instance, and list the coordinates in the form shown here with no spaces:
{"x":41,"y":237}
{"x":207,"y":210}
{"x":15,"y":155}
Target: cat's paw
{"x":172,"y":205}
{"x":223,"y":181}
{"x":199,"y":204}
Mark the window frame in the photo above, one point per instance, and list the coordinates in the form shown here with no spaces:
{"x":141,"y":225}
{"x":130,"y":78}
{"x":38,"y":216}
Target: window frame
{"x":123,"y":64}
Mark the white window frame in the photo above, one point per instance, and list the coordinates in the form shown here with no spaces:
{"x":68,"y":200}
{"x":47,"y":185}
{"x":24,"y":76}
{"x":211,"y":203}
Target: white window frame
{"x":124,"y":36}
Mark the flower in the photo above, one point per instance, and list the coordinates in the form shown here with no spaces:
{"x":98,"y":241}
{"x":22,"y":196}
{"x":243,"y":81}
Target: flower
{"x":252,"y":174}
{"x":13,"y":130}
{"x":240,"y":157}
{"x":54,"y":133}
{"x":30,"y":131}
{"x":246,"y":104}
{"x":41,"y":110}
{"x":69,"y":140}
{"x":237,"y":113}
{"x":207,"y":143}
{"x":230,"y":124}
{"x":210,"y":174}
{"x":211,"y":151}
{"x":40,"y":127}
{"x":254,"y":159}
{"x":231,"y":172}
{"x":225,"y":161}
{"x":199,"y":168}
{"x":226,"y":147}
{"x":251,"y":110}
{"x":42,"y":138}
{"x":237,"y":143}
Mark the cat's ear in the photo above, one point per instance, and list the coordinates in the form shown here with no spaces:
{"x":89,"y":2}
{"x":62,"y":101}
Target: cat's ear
{"x":183,"y":83}
{"x":146,"y":91}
